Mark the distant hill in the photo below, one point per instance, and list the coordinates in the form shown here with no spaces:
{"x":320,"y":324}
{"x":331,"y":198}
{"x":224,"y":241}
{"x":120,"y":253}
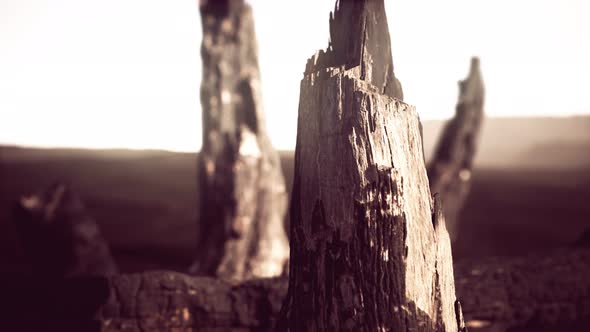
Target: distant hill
{"x":145,"y":203}
{"x":540,"y":142}
{"x":526,"y":142}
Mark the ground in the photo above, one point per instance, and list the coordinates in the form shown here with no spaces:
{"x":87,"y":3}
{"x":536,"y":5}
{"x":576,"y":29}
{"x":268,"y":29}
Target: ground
{"x":145,"y":204}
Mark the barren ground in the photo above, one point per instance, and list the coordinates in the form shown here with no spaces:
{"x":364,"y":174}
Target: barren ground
{"x":145,"y":201}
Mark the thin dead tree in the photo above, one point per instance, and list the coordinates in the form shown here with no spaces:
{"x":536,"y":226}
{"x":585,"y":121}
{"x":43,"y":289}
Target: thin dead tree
{"x":450,"y":170}
{"x":242,"y":189}
{"x":369,"y":248}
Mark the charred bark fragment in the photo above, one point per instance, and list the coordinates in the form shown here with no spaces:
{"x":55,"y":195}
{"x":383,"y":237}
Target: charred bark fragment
{"x":450,"y":170}
{"x":59,"y":236}
{"x":530,"y":292}
{"x":243,"y":200}
{"x":367,"y":253}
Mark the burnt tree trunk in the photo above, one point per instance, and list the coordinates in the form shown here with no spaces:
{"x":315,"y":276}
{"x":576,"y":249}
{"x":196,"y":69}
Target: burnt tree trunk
{"x":242,"y":189}
{"x":59,"y":236}
{"x":369,"y":248}
{"x":449,"y":172}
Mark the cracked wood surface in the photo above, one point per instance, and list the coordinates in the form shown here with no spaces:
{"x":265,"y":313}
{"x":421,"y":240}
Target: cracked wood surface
{"x":530,"y":293}
{"x":369,"y":248}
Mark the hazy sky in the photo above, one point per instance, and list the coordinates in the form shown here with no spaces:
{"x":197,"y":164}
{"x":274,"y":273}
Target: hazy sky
{"x":126,"y":73}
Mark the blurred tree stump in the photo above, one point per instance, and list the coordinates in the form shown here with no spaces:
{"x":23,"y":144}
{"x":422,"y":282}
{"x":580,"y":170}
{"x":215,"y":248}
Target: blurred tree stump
{"x":369,"y":248}
{"x":449,"y":172}
{"x":59,"y":236}
{"x":243,"y":195}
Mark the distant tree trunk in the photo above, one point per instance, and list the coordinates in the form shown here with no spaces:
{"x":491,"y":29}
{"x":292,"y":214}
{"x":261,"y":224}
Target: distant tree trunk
{"x":369,"y":248}
{"x":242,"y":190}
{"x":450,"y":170}
{"x":59,"y":236}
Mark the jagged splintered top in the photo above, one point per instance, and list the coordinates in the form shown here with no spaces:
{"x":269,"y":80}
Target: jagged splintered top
{"x":359,"y":36}
{"x":471,"y":89}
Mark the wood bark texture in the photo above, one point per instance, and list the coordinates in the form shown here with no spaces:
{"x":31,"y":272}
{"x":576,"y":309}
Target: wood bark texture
{"x":59,"y":236}
{"x":243,"y":201}
{"x":450,"y":170}
{"x":531,"y":293}
{"x":369,"y":248}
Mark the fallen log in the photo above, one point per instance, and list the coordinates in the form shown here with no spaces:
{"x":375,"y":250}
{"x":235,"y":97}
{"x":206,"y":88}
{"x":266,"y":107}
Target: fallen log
{"x":551,"y":290}
{"x":243,"y":198}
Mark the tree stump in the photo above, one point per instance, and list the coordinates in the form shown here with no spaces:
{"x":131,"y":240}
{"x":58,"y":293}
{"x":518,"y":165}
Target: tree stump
{"x":243,"y":195}
{"x":450,"y":169}
{"x":59,"y":236}
{"x":369,"y":248}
